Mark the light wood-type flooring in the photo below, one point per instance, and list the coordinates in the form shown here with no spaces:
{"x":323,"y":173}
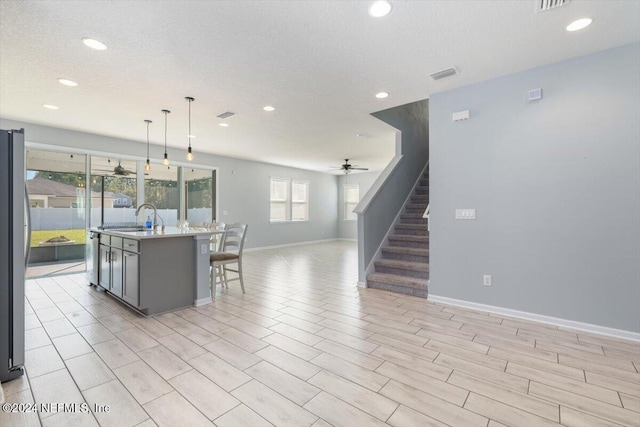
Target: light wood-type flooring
{"x":305,"y":347}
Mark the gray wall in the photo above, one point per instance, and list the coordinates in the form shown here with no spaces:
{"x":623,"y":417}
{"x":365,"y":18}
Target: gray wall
{"x":374,"y":222}
{"x":556,"y":185}
{"x":243,"y":185}
{"x":348,"y":229}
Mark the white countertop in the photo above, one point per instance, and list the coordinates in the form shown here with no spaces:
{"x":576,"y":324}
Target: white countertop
{"x":168,"y":232}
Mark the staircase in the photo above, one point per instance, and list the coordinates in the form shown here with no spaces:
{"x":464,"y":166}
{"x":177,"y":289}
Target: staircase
{"x":404,"y":266}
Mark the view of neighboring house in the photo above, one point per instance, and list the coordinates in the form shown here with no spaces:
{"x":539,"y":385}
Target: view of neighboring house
{"x":44,"y":193}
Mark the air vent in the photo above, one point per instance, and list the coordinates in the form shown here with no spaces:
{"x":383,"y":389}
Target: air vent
{"x":544,"y":5}
{"x":444,"y":73}
{"x":364,"y":135}
{"x":225,"y":115}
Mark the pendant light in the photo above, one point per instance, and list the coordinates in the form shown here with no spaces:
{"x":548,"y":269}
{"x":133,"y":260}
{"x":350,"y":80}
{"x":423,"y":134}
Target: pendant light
{"x":147,"y":165}
{"x":165,"y":161}
{"x":189,"y":136}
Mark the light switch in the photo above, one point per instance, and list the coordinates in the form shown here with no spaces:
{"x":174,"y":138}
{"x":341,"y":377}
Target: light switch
{"x":204,"y":249}
{"x":465,"y":214}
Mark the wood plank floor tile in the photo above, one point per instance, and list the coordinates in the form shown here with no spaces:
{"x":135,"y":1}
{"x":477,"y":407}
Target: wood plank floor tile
{"x":404,"y":417}
{"x":143,"y":383}
{"x":500,"y":378}
{"x":204,"y":394}
{"x":630,"y":402}
{"x":272,"y":406}
{"x":289,"y":386}
{"x":219,"y":371}
{"x":585,"y":404}
{"x":572,"y":418}
{"x":164,"y":362}
{"x":358,"y":396}
{"x":296,"y":334}
{"x":292,"y":346}
{"x":241,"y":416}
{"x":598,"y":368}
{"x":505,"y":414}
{"x":347,"y":340}
{"x":340,"y":414}
{"x":440,"y":388}
{"x":350,"y":371}
{"x":173,"y":410}
{"x":412,"y":362}
{"x":543,"y":365}
{"x":526,"y":350}
{"x":242,"y":340}
{"x":522,"y":401}
{"x":347,"y":353}
{"x":182,"y":346}
{"x":288,"y":362}
{"x":488,"y":361}
{"x":558,"y":381}
{"x":613,"y":383}
{"x":432,"y":406}
{"x":233,"y":355}
{"x":403,"y":346}
{"x":124,"y":409}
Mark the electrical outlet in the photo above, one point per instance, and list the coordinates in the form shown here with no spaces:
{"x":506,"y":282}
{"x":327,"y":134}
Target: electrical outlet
{"x":465,"y":214}
{"x":486,"y":280}
{"x":204,"y":249}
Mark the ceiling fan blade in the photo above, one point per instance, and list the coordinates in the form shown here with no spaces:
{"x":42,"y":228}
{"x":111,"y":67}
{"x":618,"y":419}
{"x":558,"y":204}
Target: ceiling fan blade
{"x":360,"y":169}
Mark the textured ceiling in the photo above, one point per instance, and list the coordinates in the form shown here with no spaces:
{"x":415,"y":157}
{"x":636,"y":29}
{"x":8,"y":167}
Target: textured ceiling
{"x":318,"y":62}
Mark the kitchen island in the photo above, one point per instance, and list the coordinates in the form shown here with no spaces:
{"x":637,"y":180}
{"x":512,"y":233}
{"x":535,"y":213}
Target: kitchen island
{"x":155,"y":271}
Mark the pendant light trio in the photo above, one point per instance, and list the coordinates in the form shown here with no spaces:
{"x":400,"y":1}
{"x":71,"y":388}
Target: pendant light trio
{"x":165,"y":160}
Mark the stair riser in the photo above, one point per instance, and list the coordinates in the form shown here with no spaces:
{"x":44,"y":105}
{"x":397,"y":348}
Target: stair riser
{"x":422,"y":221}
{"x":405,"y":257}
{"x":406,"y":244}
{"x":410,"y":232}
{"x":424,"y":182}
{"x":421,"y":190}
{"x":416,"y":292}
{"x":415,"y":210}
{"x":420,"y":199}
{"x":402,"y":272}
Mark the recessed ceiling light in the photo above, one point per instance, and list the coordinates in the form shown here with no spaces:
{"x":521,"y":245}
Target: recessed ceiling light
{"x":50,"y":107}
{"x":191,"y":136}
{"x":268,"y":108}
{"x":224,"y":125}
{"x":378,"y":9}
{"x":579,"y":24}
{"x":382,"y":95}
{"x":94,"y":44}
{"x":67,"y":82}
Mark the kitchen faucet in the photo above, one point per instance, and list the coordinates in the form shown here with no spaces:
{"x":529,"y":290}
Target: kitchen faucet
{"x":155,"y":214}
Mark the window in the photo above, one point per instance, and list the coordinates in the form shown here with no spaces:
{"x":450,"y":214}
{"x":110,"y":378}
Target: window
{"x":351,"y":199}
{"x":161,"y":190}
{"x":280,"y":200}
{"x":299,"y":200}
{"x":200,"y":195}
{"x":289,"y":200}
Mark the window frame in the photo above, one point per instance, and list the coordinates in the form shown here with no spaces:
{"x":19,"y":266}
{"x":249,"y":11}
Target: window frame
{"x":288,"y":201}
{"x":345,"y":214}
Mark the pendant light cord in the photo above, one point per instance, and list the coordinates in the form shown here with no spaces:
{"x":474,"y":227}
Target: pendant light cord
{"x":148,"y":122}
{"x":189,"y":123}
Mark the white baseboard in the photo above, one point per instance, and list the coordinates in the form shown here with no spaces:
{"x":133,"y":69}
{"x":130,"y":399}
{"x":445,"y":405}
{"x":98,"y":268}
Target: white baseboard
{"x":346,"y":240}
{"x":362,"y":284}
{"x":310,"y":242}
{"x":202,"y":301}
{"x":572,"y":324}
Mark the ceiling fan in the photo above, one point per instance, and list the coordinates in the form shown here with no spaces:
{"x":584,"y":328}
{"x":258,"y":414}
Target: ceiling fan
{"x":118,"y":170}
{"x":348,"y":167}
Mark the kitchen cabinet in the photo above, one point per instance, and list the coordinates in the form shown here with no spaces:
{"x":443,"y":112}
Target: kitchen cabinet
{"x":119,"y":268}
{"x":131,"y":278}
{"x":105,"y":267}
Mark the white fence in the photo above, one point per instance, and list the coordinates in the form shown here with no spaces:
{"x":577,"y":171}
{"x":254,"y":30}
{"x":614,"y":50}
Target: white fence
{"x":74,"y":218}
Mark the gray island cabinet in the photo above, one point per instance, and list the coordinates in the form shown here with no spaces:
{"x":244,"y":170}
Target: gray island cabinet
{"x":154,"y":271}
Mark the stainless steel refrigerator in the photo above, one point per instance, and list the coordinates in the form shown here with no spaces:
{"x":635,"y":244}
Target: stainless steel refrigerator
{"x":14,"y":247}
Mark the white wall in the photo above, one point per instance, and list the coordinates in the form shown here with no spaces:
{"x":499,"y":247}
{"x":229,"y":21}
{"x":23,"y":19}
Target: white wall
{"x":243,"y":185}
{"x":556,"y":185}
{"x":348,"y":229}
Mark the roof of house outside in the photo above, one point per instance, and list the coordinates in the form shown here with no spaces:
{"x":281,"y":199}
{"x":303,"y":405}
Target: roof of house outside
{"x":58,"y":189}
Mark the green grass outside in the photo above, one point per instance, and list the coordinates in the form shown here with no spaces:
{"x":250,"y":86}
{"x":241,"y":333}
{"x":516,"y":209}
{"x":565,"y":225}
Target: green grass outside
{"x":79,"y":235}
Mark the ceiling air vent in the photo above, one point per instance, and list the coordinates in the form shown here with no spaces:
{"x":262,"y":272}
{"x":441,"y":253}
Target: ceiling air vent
{"x":225,"y":115}
{"x":444,"y":73}
{"x":364,"y":135}
{"x":544,"y":5}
